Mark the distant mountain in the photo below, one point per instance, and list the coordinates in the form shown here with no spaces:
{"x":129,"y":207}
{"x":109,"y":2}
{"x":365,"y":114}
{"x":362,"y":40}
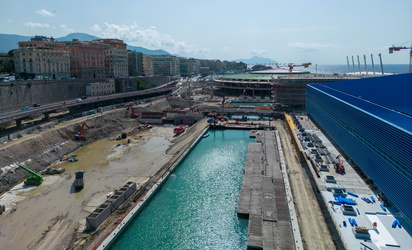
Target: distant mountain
{"x":256,"y":60}
{"x":9,"y":42}
{"x":147,"y":51}
{"x":80,"y":36}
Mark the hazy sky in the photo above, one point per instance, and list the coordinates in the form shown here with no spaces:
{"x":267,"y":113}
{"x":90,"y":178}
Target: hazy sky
{"x":318,"y":31}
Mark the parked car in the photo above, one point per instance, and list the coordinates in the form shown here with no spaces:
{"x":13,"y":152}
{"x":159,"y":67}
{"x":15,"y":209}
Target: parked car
{"x":25,"y":108}
{"x":79,"y":99}
{"x":36,"y":105}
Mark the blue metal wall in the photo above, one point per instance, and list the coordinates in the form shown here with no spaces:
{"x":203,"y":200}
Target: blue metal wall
{"x":376,"y":137}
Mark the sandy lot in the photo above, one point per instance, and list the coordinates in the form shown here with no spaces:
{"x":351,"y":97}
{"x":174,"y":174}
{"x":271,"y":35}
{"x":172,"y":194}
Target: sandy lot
{"x":51,"y":215}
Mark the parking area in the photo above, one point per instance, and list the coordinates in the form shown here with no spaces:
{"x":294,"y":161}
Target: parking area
{"x":358,"y":213}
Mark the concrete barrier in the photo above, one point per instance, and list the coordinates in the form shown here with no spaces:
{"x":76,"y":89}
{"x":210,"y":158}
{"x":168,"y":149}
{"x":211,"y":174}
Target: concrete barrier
{"x":102,"y":212}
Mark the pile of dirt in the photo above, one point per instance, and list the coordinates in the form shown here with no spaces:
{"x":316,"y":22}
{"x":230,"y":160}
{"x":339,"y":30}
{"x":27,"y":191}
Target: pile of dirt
{"x":43,"y":148}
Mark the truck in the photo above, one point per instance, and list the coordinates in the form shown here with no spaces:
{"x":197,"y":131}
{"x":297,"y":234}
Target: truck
{"x":79,"y":180}
{"x":33,"y":179}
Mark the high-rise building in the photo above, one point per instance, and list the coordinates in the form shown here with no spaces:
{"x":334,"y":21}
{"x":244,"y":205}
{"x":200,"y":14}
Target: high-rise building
{"x":371,"y":120}
{"x":189,"y":66}
{"x":147,"y":65}
{"x":166,"y":65}
{"x":41,"y":57}
{"x":135,"y":63}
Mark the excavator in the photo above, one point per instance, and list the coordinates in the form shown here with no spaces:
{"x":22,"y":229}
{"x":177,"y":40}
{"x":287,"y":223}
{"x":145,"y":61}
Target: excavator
{"x":80,"y":135}
{"x":133,"y":114}
{"x":33,"y":179}
{"x":339,"y":166}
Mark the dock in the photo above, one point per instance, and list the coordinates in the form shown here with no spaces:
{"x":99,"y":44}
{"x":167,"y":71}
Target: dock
{"x":263,"y":196}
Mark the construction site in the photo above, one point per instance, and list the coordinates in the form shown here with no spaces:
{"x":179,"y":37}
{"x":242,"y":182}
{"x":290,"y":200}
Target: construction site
{"x":71,"y":183}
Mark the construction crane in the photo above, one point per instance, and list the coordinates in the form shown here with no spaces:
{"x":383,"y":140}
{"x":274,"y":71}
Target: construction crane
{"x":291,"y":66}
{"x":398,"y":48}
{"x":80,"y":135}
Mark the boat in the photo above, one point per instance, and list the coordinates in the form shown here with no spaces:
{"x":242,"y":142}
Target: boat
{"x":204,"y":136}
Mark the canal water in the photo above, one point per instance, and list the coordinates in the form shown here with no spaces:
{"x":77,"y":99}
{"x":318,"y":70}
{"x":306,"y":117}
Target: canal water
{"x":196,"y":207}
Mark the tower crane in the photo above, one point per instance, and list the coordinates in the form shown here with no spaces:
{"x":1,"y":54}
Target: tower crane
{"x":398,"y":48}
{"x":291,"y":66}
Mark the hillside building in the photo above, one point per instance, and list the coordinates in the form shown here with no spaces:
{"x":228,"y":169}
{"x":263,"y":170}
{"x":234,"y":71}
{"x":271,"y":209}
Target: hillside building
{"x":41,"y":57}
{"x":116,"y":58}
{"x":86,"y":58}
{"x":165,"y":65}
{"x":189,"y":66}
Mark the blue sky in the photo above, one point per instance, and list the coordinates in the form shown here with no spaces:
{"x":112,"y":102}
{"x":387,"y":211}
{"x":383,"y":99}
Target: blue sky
{"x":321,"y":32}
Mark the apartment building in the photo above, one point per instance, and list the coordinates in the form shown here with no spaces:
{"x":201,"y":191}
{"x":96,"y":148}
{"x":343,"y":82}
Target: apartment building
{"x":41,"y":57}
{"x":166,"y":65}
{"x":86,"y":58}
{"x":116,"y":58}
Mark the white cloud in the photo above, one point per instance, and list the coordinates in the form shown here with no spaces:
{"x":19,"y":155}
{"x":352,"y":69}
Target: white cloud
{"x":65,"y":28}
{"x":96,"y":28}
{"x":256,"y":52}
{"x":149,"y":38}
{"x":45,"y":13}
{"x":37,"y":25}
{"x":309,"y":47}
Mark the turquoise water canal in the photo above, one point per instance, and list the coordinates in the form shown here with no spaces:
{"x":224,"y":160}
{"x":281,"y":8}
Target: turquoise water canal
{"x":196,"y":207}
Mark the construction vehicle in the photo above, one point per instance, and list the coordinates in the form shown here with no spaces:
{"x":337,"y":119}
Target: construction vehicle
{"x":339,"y":168}
{"x":398,"y":48}
{"x":79,"y":180}
{"x":291,"y":66}
{"x":133,"y":114}
{"x":33,"y":179}
{"x":179,"y":129}
{"x":80,"y":135}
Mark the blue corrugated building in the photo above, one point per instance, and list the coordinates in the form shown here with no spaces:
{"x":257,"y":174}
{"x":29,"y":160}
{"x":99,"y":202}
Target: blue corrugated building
{"x":371,"y":120}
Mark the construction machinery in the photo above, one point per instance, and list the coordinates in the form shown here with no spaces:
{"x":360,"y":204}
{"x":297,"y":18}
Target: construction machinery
{"x":133,"y":114}
{"x":80,"y":135}
{"x":79,"y":180}
{"x":339,"y":168}
{"x":291,"y":66}
{"x":33,"y":179}
{"x":180,"y":129}
{"x":398,"y":48}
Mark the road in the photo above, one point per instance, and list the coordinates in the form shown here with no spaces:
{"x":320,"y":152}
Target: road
{"x":315,"y":233}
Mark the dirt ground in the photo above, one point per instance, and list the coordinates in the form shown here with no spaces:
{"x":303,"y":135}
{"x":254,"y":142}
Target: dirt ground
{"x":52,"y":215}
{"x":315,"y":234}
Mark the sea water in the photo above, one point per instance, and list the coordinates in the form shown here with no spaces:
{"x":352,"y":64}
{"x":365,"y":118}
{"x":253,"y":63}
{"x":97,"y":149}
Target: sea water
{"x":196,"y":207}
